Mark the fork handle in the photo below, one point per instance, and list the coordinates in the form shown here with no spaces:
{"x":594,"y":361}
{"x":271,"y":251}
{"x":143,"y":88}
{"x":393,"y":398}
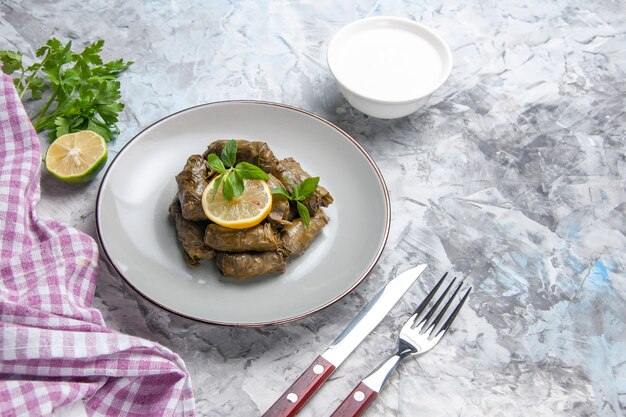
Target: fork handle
{"x":357,"y":402}
{"x":367,"y":390}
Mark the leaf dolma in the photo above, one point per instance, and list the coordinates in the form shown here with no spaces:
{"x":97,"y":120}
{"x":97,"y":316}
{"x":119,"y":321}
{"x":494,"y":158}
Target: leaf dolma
{"x":245,"y":265}
{"x":190,"y":234}
{"x":279,"y":216}
{"x":258,"y":238}
{"x":292,"y":173}
{"x":192,"y":181}
{"x":295,"y":237}
{"x":254,"y":152}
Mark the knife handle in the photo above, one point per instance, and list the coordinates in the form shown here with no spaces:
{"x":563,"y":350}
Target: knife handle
{"x":357,"y":402}
{"x":302,"y":390}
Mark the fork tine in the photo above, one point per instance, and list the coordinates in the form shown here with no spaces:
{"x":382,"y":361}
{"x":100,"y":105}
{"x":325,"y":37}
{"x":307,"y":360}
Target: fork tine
{"x":448,"y":322}
{"x":433,"y":309}
{"x":420,"y":308}
{"x":430,"y":295}
{"x":437,"y":319}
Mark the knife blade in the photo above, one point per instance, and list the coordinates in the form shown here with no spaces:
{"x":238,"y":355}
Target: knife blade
{"x":292,"y":400}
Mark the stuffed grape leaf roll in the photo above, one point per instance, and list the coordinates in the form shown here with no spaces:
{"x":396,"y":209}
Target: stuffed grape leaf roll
{"x":292,"y":173}
{"x":190,"y":235}
{"x":261,"y":237}
{"x":192,"y":181}
{"x":246,"y":265}
{"x":261,"y":249}
{"x":279,"y":216}
{"x":253,"y":152}
{"x":296,"y":237}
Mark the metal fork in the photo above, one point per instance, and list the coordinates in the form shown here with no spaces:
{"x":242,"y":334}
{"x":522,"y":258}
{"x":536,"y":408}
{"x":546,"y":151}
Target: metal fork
{"x":414,"y":340}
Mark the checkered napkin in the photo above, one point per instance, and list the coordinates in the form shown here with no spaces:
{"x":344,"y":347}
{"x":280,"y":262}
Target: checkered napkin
{"x":55,"y":349}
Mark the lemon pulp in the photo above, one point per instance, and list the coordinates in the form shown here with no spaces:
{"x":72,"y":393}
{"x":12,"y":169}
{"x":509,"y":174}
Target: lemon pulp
{"x":247,"y":210}
{"x":76,"y":157}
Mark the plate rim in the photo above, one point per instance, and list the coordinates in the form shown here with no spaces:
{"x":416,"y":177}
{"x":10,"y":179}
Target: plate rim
{"x":286,"y":320}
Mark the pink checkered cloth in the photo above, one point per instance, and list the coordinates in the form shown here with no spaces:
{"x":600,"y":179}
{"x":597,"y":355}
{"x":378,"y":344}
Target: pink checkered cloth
{"x":55,"y":349}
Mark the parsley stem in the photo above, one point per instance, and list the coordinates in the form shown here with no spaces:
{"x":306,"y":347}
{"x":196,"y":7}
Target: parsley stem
{"x":28,"y":81}
{"x":25,"y":88}
{"x":77,"y":90}
{"x":43,"y":120}
{"x":45,"y":108}
{"x":19,"y":83}
{"x":31,"y":77}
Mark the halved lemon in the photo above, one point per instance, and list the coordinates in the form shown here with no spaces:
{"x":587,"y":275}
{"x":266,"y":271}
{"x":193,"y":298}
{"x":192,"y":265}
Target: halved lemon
{"x":76,"y":157}
{"x":247,"y":210}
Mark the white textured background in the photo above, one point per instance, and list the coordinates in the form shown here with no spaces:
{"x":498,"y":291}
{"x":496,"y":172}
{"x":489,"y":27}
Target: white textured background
{"x":513,"y":177}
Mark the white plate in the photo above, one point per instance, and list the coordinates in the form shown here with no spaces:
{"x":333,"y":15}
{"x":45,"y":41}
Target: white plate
{"x":140,"y":242}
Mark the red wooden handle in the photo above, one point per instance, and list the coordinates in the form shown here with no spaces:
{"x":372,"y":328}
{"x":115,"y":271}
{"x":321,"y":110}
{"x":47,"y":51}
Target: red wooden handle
{"x":300,"y":391}
{"x":357,"y":402}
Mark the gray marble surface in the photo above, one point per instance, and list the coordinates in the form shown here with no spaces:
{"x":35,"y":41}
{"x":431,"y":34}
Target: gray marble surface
{"x":512,"y":177}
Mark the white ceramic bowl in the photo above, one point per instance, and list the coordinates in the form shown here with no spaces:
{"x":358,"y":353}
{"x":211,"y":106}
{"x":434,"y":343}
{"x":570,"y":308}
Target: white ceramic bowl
{"x":387,"y":67}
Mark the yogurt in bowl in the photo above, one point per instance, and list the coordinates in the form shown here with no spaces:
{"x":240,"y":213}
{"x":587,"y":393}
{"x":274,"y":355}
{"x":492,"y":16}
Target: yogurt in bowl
{"x":387,"y":67}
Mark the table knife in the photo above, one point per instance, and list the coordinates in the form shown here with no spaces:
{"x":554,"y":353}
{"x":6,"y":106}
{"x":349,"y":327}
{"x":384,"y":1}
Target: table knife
{"x":292,"y":400}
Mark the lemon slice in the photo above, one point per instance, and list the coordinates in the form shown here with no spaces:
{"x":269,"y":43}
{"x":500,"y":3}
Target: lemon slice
{"x":76,"y":157}
{"x":247,"y":210}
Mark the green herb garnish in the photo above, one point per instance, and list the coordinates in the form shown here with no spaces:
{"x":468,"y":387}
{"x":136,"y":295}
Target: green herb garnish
{"x":300,"y":193}
{"x":83,"y":91}
{"x":230,"y":174}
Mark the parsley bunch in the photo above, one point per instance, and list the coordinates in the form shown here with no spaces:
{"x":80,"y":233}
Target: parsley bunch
{"x":300,"y":193}
{"x":83,"y":91}
{"x":230,"y":174}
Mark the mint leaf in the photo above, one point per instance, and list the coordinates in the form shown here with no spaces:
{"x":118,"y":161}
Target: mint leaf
{"x":227,"y":189}
{"x":216,"y":185}
{"x":304,"y":214}
{"x":229,"y":153}
{"x":251,"y":172}
{"x":233,"y":176}
{"x":306,"y":188}
{"x":300,"y":193}
{"x":216,"y":163}
{"x":237,"y":183}
{"x":281,"y":191}
{"x":295,"y":193}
